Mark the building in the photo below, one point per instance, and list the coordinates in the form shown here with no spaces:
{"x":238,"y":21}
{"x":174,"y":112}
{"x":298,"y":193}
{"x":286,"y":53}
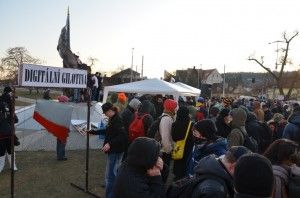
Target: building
{"x":121,"y":77}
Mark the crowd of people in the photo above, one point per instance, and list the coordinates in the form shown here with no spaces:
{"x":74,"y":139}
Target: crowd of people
{"x":222,"y":147}
{"x":231,"y":147}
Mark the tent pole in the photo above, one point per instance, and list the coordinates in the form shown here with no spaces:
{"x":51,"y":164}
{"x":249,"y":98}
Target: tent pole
{"x":86,"y":188}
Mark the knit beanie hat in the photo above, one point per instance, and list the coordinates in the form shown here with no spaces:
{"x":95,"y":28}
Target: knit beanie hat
{"x":277,"y":117}
{"x":7,"y":89}
{"x":237,"y":152}
{"x":63,"y":98}
{"x":170,"y":105}
{"x":253,"y":175}
{"x":207,"y":128}
{"x":200,"y":102}
{"x":143,"y":152}
{"x":135,"y":103}
{"x":106,"y":106}
{"x":227,"y":102}
{"x":122,"y":98}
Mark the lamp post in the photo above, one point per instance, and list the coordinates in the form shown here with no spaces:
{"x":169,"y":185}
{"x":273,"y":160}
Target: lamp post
{"x":131,"y":73}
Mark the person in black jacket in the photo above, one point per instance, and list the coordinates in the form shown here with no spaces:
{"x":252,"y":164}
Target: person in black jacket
{"x":114,"y":145}
{"x":146,"y":108}
{"x":179,"y":129}
{"x":219,"y":172}
{"x":140,"y":174}
{"x":127,"y":116}
{"x":6,"y":128}
{"x":222,"y":123}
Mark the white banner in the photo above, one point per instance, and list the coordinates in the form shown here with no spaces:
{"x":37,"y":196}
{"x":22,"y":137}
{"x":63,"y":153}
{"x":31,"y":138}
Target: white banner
{"x":45,"y":76}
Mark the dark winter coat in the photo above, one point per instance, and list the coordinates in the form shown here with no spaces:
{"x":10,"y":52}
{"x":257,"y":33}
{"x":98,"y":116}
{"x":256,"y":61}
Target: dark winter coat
{"x":201,"y":150}
{"x":6,"y":124}
{"x":212,"y":187}
{"x":268,"y":115}
{"x":279,"y":128}
{"x":127,"y":116}
{"x":146,"y":108}
{"x":132,"y":180}
{"x":239,"y":195}
{"x":223,"y":129}
{"x":115,"y":135}
{"x":178,"y":133}
{"x":292,"y":129}
{"x":254,"y":129}
{"x":239,"y":117}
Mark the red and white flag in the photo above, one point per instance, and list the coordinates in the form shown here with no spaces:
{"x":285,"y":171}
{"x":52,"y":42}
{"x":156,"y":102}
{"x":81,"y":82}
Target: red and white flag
{"x":55,"y":117}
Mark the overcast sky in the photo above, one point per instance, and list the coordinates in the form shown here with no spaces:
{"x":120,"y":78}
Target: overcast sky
{"x":171,"y":34}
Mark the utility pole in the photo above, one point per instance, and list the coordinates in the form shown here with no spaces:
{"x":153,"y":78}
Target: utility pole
{"x":142,"y":73}
{"x":224,"y":82}
{"x":131,"y":73}
{"x":277,"y":50}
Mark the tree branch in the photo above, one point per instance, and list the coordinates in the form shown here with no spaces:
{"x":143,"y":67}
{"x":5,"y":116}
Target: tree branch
{"x":287,"y":41}
{"x":266,"y":68}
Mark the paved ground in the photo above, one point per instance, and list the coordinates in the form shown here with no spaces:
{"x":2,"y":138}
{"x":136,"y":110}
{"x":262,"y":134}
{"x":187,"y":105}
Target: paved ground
{"x":42,"y":140}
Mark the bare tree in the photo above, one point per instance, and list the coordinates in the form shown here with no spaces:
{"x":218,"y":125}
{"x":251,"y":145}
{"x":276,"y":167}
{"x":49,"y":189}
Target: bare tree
{"x":278,"y":76}
{"x":13,"y":59}
{"x":91,"y":60}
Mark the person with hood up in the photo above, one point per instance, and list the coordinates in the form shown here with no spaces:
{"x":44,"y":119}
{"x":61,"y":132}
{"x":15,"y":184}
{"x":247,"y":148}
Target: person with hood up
{"x":146,"y":109}
{"x":179,"y":130}
{"x":114,"y":145}
{"x":127,"y":116}
{"x":292,"y":129}
{"x":206,"y":142}
{"x":223,"y":123}
{"x":279,"y":123}
{"x":219,"y":172}
{"x":140,"y":174}
{"x":235,"y":137}
{"x":282,"y":153}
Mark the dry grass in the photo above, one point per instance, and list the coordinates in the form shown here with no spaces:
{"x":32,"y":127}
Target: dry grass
{"x":41,"y":175}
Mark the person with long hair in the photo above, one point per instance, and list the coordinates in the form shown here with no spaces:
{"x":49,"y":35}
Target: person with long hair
{"x":179,"y":130}
{"x":223,"y":123}
{"x":282,"y":154}
{"x":114,"y":145}
{"x":206,"y":142}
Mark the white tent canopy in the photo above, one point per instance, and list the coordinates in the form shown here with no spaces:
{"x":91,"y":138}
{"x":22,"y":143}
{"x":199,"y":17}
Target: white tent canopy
{"x":198,"y":91}
{"x":151,"y":86}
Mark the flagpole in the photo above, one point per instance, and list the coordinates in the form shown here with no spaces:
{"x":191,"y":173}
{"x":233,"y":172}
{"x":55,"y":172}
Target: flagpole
{"x":12,"y":144}
{"x":87,"y":153}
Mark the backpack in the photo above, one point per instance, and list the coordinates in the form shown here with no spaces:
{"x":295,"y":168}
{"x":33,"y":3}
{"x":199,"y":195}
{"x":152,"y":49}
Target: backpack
{"x":136,"y":128}
{"x":293,"y":185}
{"x":250,"y":142}
{"x":266,"y":136}
{"x":4,"y":110}
{"x":184,"y":187}
{"x":153,"y":131}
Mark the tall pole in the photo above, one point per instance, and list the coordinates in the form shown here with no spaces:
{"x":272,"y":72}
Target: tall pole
{"x":12,"y":144}
{"x":131,"y":73}
{"x":142,"y":73}
{"x":224,"y":82}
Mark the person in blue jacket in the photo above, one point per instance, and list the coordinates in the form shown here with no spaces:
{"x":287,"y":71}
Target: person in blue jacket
{"x":206,"y":142}
{"x":292,"y":129}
